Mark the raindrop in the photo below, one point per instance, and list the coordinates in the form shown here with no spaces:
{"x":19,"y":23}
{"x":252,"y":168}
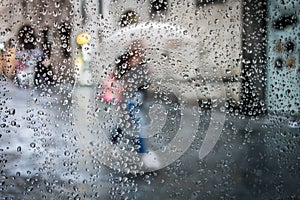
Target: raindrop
{"x":57,"y":4}
{"x":67,"y":153}
{"x":222,"y":109}
{"x":12,"y":111}
{"x":228,"y":71}
{"x":32,"y":145}
{"x":13,"y":123}
{"x":41,"y":112}
{"x":65,"y":102}
{"x":185,"y":76}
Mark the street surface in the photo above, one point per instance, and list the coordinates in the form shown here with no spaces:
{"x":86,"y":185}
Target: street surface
{"x":43,"y":155}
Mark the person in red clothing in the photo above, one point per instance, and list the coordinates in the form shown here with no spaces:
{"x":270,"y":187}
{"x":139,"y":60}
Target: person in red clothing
{"x":29,"y":59}
{"x":127,"y":85}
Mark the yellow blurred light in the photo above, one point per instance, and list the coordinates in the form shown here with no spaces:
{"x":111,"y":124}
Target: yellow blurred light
{"x":83,"y":38}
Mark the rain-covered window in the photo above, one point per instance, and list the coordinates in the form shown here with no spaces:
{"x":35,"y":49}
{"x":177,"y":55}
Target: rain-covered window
{"x":149,"y":99}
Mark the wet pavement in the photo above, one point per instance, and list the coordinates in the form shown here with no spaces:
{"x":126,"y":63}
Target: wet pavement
{"x":43,"y":155}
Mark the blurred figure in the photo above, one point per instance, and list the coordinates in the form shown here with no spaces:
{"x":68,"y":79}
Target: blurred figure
{"x":2,"y":59}
{"x":83,"y":58}
{"x":8,"y":54}
{"x":132,"y":71}
{"x":128,"y":83}
{"x":44,"y":73}
{"x":29,"y":59}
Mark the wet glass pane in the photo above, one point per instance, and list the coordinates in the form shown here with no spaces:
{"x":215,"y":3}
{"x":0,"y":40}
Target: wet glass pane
{"x":149,"y":99}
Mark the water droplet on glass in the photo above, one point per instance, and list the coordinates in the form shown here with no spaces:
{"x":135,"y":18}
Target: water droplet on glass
{"x":67,"y":153}
{"x":32,"y":145}
{"x":13,"y":123}
{"x":12,"y":111}
{"x":57,"y":4}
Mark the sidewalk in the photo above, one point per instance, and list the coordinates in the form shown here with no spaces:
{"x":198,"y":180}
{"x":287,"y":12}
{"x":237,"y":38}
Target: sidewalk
{"x":43,"y":157}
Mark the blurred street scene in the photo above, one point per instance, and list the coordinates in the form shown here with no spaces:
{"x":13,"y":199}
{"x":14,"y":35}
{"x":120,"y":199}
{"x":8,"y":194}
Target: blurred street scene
{"x":150,"y":99}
